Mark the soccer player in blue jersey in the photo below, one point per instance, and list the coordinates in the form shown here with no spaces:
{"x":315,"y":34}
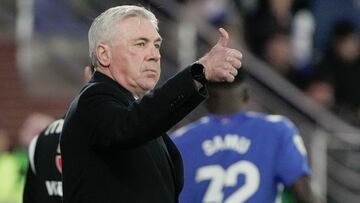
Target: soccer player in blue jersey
{"x":233,"y":155}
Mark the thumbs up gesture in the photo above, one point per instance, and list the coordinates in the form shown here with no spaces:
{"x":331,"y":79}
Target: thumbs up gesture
{"x":221,"y":62}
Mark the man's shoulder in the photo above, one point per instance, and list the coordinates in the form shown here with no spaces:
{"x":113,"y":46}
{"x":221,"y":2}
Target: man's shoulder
{"x":50,"y":134}
{"x":95,"y":87}
{"x":53,"y":129}
{"x":48,"y":139}
{"x":190,"y":128}
{"x":103,"y":90}
{"x":44,"y":156}
{"x":271,"y":120}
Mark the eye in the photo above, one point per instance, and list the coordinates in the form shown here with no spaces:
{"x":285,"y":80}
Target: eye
{"x":140,"y":44}
{"x":157,"y":46}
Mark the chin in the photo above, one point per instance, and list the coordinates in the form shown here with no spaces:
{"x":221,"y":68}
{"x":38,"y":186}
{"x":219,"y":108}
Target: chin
{"x":149,"y":87}
{"x":148,"y":84}
{"x":152,"y":84}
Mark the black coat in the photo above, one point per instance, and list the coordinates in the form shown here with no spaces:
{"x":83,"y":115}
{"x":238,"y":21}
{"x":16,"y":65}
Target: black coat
{"x":115,"y":149}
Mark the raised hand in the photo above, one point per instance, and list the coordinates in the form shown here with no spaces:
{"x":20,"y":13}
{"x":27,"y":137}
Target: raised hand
{"x":221,"y":63}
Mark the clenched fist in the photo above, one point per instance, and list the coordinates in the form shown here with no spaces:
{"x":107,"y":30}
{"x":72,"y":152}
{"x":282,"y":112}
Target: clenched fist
{"x":221,"y":62}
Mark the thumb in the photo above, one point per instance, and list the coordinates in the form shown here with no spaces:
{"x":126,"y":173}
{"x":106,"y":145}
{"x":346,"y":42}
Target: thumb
{"x":224,"y":37}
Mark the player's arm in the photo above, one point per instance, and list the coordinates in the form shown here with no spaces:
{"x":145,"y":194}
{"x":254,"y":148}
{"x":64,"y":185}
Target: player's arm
{"x":302,"y":192}
{"x":292,"y":164}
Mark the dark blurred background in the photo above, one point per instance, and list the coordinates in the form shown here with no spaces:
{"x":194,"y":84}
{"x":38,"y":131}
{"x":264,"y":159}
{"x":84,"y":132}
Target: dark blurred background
{"x":302,"y":56}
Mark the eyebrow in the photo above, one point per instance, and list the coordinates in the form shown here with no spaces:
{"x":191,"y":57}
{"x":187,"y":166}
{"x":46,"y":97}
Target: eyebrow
{"x":147,"y":40}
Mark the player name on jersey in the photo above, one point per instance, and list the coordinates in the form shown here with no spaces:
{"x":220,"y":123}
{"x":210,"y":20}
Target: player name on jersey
{"x":237,"y":143}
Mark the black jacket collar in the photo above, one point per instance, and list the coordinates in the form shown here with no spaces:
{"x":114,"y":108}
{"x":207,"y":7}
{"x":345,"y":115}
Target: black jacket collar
{"x":102,"y":78}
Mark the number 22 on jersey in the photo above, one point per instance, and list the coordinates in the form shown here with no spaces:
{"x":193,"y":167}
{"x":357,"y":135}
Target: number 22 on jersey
{"x":220,"y":178}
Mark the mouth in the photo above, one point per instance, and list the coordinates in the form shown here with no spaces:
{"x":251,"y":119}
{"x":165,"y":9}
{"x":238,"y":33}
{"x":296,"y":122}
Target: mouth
{"x":151,"y":72}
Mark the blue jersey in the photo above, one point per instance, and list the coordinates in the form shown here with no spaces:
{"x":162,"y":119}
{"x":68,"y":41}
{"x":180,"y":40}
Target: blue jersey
{"x":239,"y":158}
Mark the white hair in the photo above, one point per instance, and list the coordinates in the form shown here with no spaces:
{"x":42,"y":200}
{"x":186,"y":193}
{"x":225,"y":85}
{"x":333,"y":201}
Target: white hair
{"x":103,"y":27}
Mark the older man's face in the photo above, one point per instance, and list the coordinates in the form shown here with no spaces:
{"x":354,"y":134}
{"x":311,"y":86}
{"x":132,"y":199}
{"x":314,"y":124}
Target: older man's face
{"x":135,"y":55}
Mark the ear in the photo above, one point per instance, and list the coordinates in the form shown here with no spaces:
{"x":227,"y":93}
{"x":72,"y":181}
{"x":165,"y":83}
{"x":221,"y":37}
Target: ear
{"x":103,"y":54}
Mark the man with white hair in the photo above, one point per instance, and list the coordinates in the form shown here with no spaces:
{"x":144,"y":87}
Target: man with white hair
{"x":114,"y":144}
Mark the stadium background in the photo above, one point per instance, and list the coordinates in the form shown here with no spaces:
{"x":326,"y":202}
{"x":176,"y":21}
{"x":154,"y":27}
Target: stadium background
{"x":43,"y":49}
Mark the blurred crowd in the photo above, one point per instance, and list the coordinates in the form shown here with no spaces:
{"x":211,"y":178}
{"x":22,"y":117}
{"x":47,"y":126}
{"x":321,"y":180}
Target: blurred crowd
{"x":316,"y":49}
{"x":13,"y":155}
{"x":315,"y":45}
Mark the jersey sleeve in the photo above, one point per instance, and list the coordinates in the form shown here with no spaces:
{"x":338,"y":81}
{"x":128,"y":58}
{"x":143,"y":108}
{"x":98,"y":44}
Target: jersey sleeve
{"x":291,"y":161}
{"x":31,"y":154}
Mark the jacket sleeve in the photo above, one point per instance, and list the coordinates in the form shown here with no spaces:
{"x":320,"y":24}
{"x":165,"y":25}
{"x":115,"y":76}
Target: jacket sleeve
{"x":131,"y":125}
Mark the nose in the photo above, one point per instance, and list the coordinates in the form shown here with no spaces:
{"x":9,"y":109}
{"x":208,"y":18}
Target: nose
{"x":154,"y":54}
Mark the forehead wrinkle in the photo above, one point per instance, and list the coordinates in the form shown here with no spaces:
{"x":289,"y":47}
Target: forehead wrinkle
{"x":137,"y":28}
